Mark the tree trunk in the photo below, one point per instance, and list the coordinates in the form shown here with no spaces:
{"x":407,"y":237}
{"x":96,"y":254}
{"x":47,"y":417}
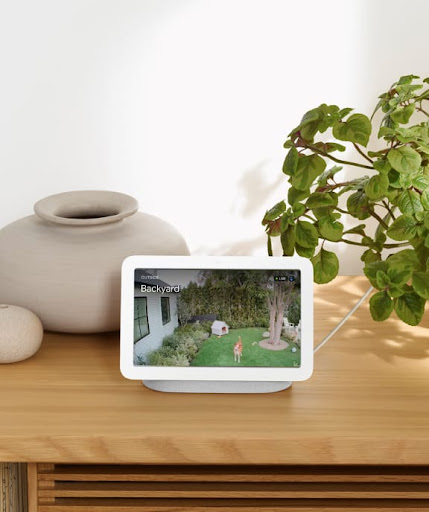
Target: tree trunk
{"x":278,"y":326}
{"x":271,"y":308}
{"x":277,"y":304}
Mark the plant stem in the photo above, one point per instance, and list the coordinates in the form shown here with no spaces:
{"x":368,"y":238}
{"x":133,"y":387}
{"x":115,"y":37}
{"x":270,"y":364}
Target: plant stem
{"x":389,"y":210}
{"x":308,"y":217}
{"x":333,"y":158}
{"x":339,"y":161}
{"x":359,"y":150}
{"x":380,"y":220}
{"x":385,"y":246}
{"x":420,"y":109}
{"x":342,"y":211}
{"x":350,"y":242}
{"x":327,"y":188}
{"x":394,"y":246}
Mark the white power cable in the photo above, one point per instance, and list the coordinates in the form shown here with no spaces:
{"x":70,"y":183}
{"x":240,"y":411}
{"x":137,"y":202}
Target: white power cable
{"x":344,"y":320}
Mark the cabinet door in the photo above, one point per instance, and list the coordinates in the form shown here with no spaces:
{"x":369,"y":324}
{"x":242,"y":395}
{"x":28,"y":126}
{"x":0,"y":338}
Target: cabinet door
{"x":135,"y":488}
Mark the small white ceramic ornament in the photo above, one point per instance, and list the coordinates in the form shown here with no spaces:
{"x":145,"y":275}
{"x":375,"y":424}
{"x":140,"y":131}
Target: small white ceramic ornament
{"x":21,"y":333}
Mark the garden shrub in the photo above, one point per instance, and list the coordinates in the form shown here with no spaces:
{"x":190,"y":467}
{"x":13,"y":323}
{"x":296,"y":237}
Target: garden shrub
{"x":180,"y":347}
{"x":207,"y":327}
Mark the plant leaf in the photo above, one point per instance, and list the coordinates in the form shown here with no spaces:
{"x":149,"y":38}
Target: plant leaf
{"x":404,"y":159}
{"x":372,"y":268}
{"x":399,"y":275}
{"x":305,"y":252}
{"x":421,"y":284}
{"x":306,"y":234}
{"x":287,"y":239}
{"x":308,"y":169}
{"x":380,"y":306}
{"x":403,"y":228}
{"x":357,"y":129}
{"x":309,"y":125}
{"x":425,"y":199}
{"x":358,"y":205}
{"x":408,"y":201}
{"x":328,"y":174}
{"x":321,"y":199}
{"x":402,"y":114}
{"x":269,"y":246}
{"x":330,"y":229}
{"x":287,"y":219}
{"x":291,"y":161}
{"x":377,"y":186}
{"x":325,"y":265}
{"x":369,"y":256}
{"x":407,"y":79}
{"x":382,"y":279}
{"x":294,"y":195}
{"x":275,"y":212}
{"x":357,"y":230}
{"x":410,"y":308}
{"x":404,"y":257}
{"x":382,"y":166}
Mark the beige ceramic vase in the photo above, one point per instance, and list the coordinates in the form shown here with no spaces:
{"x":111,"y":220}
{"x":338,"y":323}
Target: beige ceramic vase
{"x":64,"y":263}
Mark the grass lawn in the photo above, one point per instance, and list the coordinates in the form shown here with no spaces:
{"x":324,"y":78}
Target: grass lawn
{"x":219,"y":351}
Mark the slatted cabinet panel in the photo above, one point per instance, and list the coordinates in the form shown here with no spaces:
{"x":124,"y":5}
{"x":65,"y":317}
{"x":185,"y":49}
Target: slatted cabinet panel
{"x":135,"y":488}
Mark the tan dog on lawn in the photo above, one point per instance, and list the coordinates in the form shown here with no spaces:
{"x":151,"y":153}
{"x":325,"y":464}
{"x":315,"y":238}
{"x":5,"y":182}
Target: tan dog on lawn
{"x":238,"y":350}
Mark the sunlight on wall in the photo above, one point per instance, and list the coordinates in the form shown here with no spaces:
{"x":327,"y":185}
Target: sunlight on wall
{"x":223,"y":84}
{"x":185,"y":104}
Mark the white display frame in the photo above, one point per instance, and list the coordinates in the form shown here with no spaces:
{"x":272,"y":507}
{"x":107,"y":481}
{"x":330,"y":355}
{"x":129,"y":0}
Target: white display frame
{"x":244,"y":374}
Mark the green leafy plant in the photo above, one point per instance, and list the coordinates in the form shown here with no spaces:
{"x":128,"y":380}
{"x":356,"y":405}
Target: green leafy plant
{"x":392,"y":186}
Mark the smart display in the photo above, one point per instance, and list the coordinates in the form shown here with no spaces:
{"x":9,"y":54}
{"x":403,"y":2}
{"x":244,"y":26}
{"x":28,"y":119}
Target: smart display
{"x":216,"y":318}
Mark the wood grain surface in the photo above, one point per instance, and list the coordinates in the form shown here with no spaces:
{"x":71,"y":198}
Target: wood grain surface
{"x":367,"y":403}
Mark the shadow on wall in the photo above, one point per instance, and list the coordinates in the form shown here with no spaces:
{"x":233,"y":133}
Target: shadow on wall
{"x":254,"y":195}
{"x":255,"y":191}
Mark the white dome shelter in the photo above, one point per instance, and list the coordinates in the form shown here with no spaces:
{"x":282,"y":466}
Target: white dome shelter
{"x":219,"y":328}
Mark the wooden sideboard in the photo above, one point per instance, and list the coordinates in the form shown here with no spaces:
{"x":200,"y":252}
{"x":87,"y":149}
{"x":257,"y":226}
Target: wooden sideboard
{"x":354,"y":437}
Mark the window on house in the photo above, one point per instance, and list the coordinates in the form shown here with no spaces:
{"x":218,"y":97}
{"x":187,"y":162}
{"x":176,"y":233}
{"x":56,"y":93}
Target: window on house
{"x":141,"y":321}
{"x":165,"y":310}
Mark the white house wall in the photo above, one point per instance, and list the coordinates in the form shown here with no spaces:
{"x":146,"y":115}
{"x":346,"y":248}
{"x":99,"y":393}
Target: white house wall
{"x":158,"y":331}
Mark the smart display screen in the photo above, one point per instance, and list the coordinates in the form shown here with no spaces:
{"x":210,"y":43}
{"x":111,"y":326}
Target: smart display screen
{"x":217,"y":318}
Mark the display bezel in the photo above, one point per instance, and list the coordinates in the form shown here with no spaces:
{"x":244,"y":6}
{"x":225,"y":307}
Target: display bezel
{"x":130,"y":371}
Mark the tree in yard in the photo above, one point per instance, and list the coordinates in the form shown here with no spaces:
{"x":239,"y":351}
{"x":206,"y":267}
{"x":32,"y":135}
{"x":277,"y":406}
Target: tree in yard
{"x":184,"y":313}
{"x":294,"y":310}
{"x":279,"y":299}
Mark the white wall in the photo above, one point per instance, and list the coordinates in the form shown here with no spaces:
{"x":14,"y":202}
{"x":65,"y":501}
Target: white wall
{"x":157,"y":330}
{"x":185,"y":104}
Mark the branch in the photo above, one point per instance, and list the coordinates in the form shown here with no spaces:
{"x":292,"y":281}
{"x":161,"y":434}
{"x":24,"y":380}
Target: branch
{"x":389,"y":210}
{"x":380,"y":220}
{"x":393,"y":246}
{"x":385,"y":246}
{"x":334,"y":186}
{"x":339,"y":161}
{"x":359,"y":150}
{"x":333,"y":158}
{"x":420,"y":109}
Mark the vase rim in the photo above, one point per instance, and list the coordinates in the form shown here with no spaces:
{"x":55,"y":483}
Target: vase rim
{"x":86,"y":207}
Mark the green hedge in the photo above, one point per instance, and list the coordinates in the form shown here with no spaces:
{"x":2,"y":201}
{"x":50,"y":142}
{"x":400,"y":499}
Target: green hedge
{"x":180,"y":347}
